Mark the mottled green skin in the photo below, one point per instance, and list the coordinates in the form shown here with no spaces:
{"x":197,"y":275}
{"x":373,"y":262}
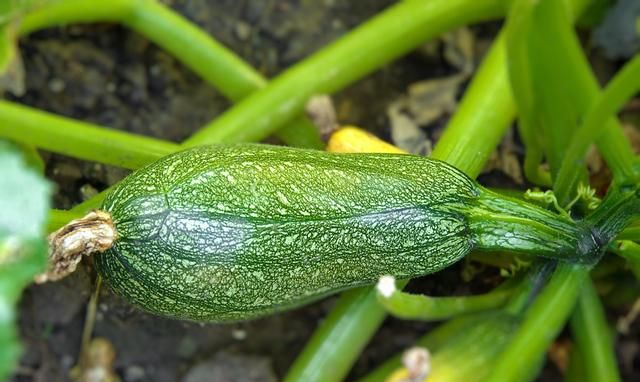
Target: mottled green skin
{"x":230,"y":233}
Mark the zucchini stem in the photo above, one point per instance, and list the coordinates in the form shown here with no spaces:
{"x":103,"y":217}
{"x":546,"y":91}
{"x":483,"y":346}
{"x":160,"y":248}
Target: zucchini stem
{"x":617,"y":210}
{"x":502,"y":223}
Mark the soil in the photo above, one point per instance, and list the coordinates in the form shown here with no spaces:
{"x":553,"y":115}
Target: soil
{"x":109,"y":75}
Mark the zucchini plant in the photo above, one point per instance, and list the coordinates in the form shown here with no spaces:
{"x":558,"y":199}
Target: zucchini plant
{"x":230,"y":232}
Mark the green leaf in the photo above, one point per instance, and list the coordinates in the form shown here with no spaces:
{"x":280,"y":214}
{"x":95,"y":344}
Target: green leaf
{"x":24,"y":202}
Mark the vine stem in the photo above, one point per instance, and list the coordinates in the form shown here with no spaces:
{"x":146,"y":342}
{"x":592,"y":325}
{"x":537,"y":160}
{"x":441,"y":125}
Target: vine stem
{"x":588,"y":321}
{"x":426,"y":308}
{"x":89,"y":324}
{"x":487,"y":109}
{"x":542,"y":320}
{"x":79,"y":139}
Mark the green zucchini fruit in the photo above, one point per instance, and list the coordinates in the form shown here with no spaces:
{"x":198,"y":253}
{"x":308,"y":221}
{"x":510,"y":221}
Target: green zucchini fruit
{"x":223,"y":233}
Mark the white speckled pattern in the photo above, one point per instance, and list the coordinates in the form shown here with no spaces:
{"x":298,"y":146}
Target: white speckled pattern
{"x":228,"y":233}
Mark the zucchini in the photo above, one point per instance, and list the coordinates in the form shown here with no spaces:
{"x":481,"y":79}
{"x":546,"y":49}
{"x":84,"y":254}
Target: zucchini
{"x":224,"y":233}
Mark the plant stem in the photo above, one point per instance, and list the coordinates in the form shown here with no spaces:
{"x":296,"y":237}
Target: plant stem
{"x":542,"y":322}
{"x":520,"y":75}
{"x":576,"y":372}
{"x":540,"y":72}
{"x":191,"y":45}
{"x":426,"y":308}
{"x":438,"y":338}
{"x":588,"y":324}
{"x":470,"y":355}
{"x":620,"y":206}
{"x":79,"y":139}
{"x":84,"y":360}
{"x":502,"y":223}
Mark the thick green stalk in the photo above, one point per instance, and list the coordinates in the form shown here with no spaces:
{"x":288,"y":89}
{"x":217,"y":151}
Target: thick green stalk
{"x":93,"y":202}
{"x":58,"y":218}
{"x":79,"y":139}
{"x":195,"y":48}
{"x":477,"y":115}
{"x":507,"y":224}
{"x":588,"y":323}
{"x":620,"y":206}
{"x":338,"y":341}
{"x":542,"y":322}
{"x":216,"y":64}
{"x":576,"y":371}
{"x":549,"y":111}
{"x":469,"y":355}
{"x":48,"y":14}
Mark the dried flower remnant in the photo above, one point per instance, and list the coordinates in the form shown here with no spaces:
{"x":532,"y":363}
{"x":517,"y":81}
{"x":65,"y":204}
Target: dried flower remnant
{"x":81,"y":237}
